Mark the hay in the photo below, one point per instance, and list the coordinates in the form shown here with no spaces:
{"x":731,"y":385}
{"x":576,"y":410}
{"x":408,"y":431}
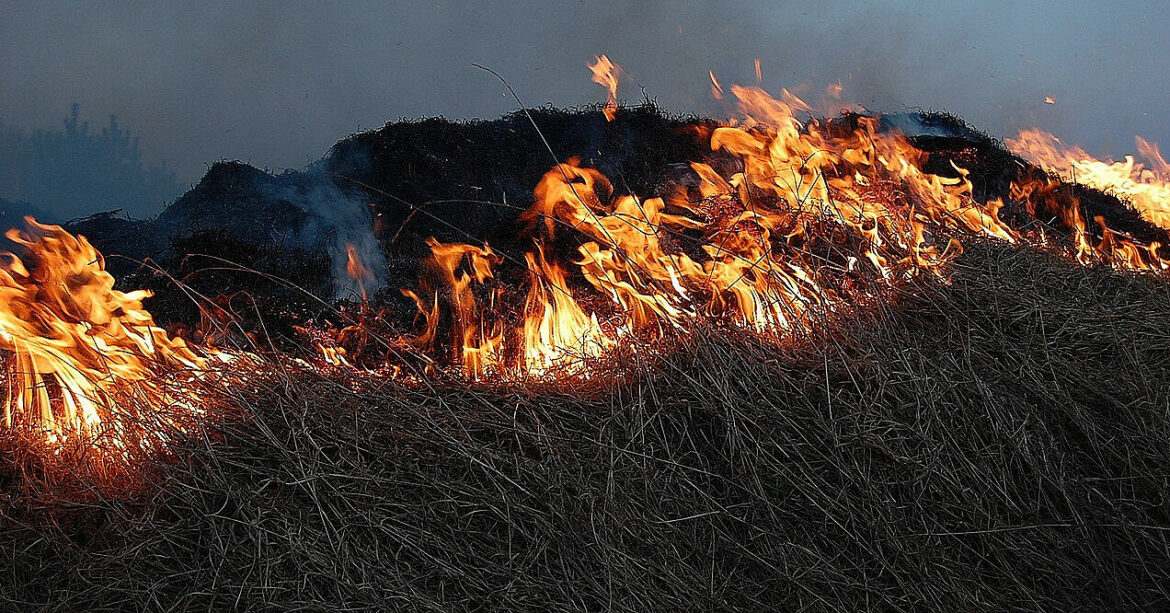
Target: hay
{"x":996,"y":443}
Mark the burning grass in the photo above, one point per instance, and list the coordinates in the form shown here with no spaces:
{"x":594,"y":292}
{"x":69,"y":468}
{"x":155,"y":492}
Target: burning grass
{"x":819,"y":371}
{"x":996,"y":442}
{"x":92,"y":384}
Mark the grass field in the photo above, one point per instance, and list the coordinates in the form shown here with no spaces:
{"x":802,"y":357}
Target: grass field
{"x":997,"y":442}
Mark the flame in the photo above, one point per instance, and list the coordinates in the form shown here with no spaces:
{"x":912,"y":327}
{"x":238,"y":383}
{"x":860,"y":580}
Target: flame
{"x":789,"y":220}
{"x":605,"y":74}
{"x":357,"y":270}
{"x":557,"y":335}
{"x":716,"y":88}
{"x":82,"y":358}
{"x":1047,"y":197}
{"x":812,"y":218}
{"x":1145,"y":186}
{"x":459,"y":269}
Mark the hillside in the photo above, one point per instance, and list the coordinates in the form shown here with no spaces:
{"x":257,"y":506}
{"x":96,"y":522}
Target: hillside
{"x":996,"y":443}
{"x":992,"y":438}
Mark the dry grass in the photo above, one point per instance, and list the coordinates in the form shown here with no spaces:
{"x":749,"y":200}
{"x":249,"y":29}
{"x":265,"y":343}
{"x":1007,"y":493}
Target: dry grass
{"x":1000,"y":442}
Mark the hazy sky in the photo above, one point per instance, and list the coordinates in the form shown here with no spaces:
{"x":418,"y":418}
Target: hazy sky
{"x":276,"y":84}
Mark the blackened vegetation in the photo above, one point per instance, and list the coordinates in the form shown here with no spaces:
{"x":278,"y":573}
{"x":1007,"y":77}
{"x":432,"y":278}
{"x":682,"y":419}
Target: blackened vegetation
{"x":991,"y":443}
{"x":455,"y":181}
{"x":470,"y":181}
{"x":993,"y":170}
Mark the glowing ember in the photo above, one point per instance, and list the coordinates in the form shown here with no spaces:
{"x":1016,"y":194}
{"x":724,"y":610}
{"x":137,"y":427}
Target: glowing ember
{"x":83,"y":359}
{"x":605,"y":74}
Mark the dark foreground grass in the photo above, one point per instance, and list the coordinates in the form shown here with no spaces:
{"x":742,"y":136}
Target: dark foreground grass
{"x":999,"y":443}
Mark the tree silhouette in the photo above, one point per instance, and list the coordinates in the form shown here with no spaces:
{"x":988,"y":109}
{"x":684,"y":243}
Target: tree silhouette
{"x":75,"y":172}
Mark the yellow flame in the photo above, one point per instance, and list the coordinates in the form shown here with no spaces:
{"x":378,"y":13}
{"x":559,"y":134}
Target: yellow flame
{"x":81,"y":356}
{"x":1146,"y":186}
{"x":605,"y":74}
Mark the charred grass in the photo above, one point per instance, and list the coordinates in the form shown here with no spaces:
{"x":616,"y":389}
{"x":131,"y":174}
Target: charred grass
{"x":998,"y":442}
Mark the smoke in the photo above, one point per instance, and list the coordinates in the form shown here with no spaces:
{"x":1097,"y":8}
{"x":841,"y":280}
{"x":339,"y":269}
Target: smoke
{"x":276,"y":84}
{"x":336,"y":224}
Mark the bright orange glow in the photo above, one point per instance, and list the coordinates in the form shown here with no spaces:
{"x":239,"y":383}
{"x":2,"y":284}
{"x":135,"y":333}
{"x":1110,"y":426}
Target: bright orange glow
{"x":816,"y":218}
{"x":557,"y":335}
{"x":1049,"y":197}
{"x":1146,"y":186}
{"x":605,"y":74}
{"x":82,"y":358}
{"x":357,"y":270}
{"x":789,"y":220}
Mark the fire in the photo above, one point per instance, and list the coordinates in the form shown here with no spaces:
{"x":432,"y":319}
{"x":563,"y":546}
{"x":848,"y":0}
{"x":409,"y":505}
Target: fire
{"x":789,"y":220}
{"x":605,"y":74}
{"x":794,"y":219}
{"x":1144,"y":184}
{"x":454,"y":273}
{"x":1050,"y":198}
{"x":83,"y":359}
{"x":357,"y":270}
{"x":558,"y":335}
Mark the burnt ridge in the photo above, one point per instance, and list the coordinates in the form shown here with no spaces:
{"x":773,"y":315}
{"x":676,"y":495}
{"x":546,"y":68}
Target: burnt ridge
{"x":265,"y":237}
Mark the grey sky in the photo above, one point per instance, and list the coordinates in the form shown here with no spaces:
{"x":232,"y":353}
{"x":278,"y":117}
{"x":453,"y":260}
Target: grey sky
{"x":276,"y":84}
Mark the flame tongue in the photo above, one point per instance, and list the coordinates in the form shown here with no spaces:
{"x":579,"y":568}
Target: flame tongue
{"x":1146,"y":186}
{"x":605,"y":74}
{"x":792,"y":218}
{"x":78,"y":352}
{"x":357,"y":270}
{"x":1146,"y":189}
{"x":811,"y":218}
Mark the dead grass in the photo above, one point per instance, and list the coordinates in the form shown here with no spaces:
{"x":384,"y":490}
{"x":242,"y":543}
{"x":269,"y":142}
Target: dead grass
{"x":996,"y":443}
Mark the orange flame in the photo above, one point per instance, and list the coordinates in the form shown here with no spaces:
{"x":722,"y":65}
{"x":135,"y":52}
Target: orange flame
{"x":357,"y":270}
{"x":1044,"y":197}
{"x":1145,"y":186}
{"x":84,"y":359}
{"x":813,"y":219}
{"x":809,"y":218}
{"x":558,"y":335}
{"x":605,"y":74}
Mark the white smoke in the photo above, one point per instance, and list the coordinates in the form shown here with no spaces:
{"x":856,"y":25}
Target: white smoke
{"x":336,"y":222}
